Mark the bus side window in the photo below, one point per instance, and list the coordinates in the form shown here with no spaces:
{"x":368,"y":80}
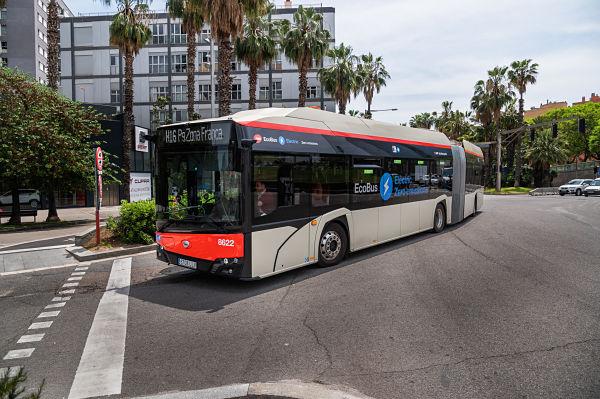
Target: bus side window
{"x":329,"y":183}
{"x":280,"y":187}
{"x":366,"y":173}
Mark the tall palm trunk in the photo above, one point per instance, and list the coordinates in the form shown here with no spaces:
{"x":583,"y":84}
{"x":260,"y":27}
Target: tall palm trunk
{"x":191,"y":70}
{"x":15,"y":216}
{"x":342,"y":106}
{"x":128,"y":123}
{"x":369,"y":101}
{"x":225,"y":51}
{"x":303,"y":82}
{"x":518,"y":142}
{"x":252,"y":77}
{"x":53,"y":39}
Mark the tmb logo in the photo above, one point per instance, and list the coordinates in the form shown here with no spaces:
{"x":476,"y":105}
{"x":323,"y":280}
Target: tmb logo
{"x":386,"y":186}
{"x":258,"y":138}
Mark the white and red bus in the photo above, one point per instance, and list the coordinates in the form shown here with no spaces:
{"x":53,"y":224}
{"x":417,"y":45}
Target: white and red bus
{"x":269,"y":190}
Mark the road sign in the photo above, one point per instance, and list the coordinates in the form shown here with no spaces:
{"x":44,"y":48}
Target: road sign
{"x":99,"y":159}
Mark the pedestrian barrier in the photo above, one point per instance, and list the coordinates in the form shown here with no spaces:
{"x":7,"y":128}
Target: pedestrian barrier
{"x":544,"y":191}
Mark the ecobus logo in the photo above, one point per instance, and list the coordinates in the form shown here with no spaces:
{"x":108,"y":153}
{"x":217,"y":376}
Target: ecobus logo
{"x":365,"y":188}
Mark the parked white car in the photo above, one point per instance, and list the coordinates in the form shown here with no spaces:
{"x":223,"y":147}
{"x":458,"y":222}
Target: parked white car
{"x":593,"y":188}
{"x":575,"y":186}
{"x":26,"y":196}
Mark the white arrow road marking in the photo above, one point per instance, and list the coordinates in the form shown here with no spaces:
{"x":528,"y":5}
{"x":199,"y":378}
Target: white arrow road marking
{"x":100,"y":370}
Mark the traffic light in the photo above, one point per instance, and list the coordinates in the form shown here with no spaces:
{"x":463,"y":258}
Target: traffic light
{"x":532,"y":134}
{"x":554,"y":130}
{"x":581,"y":125}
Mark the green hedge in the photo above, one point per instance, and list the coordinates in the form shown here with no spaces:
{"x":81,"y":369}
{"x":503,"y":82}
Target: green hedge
{"x":136,"y":223}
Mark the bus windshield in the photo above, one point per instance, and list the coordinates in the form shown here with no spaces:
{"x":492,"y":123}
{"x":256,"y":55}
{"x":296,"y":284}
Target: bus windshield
{"x":203,"y":190}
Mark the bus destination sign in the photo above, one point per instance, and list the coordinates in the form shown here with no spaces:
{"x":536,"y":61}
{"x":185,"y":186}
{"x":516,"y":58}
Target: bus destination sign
{"x":200,"y":134}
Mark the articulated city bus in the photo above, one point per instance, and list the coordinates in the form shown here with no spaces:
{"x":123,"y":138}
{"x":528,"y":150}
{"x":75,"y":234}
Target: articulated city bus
{"x":270,"y":190}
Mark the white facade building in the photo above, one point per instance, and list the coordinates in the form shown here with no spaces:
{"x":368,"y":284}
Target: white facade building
{"x":92,"y":70}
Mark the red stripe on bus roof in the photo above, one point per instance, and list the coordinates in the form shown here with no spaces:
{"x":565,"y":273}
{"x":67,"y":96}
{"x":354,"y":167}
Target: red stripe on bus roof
{"x":325,"y":132}
{"x":474,"y":153}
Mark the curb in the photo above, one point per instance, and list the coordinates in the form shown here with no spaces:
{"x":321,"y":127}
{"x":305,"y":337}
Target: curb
{"x":60,"y":225}
{"x":293,"y":389}
{"x":83,"y":255}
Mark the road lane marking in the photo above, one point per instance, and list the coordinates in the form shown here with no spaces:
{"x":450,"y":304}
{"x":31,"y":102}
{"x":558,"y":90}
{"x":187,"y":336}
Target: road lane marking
{"x":77,"y":273}
{"x":40,"y":324}
{"x":74,"y":278}
{"x":60,"y":298}
{"x":49,"y":314}
{"x":100,"y":370}
{"x":55,"y":305}
{"x":30,"y":338}
{"x":67,"y":292}
{"x":81,"y":269}
{"x":18,"y":354}
{"x":67,"y":285}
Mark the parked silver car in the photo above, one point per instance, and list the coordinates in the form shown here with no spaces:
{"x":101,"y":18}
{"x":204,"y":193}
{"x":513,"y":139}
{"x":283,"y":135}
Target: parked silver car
{"x":593,"y":188}
{"x":575,"y":186}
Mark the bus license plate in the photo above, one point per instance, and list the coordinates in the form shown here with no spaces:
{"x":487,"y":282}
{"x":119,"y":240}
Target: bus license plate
{"x":186,"y":263}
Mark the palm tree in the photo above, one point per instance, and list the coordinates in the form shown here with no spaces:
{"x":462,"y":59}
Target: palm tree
{"x":372,"y":76}
{"x":303,"y":41}
{"x":544,"y":151}
{"x":521,"y":74}
{"x":256,"y":47}
{"x":340,"y":78}
{"x":423,"y":120}
{"x":129,"y":31}
{"x":226,"y":18}
{"x":192,"y":19}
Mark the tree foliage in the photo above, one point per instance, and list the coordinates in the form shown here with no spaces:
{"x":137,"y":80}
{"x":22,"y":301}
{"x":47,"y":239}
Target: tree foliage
{"x":372,"y":76}
{"x":341,"y":77}
{"x":574,"y":142}
{"x":303,"y":41}
{"x":12,"y":385}
{"x":46,"y":138}
{"x":255,"y":47}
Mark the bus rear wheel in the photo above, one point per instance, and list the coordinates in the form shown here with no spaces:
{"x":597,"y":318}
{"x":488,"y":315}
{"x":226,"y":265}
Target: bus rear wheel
{"x":332,"y":245}
{"x":439,"y":218}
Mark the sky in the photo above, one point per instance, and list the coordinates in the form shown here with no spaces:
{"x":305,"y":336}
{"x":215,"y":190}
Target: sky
{"x":437,"y":50}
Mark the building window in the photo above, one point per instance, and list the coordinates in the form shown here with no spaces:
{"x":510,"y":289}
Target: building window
{"x":178,"y":63}
{"x":114,"y":64}
{"x":180,"y":115}
{"x":43,"y":52}
{"x":158,"y":64}
{"x":235,"y":64}
{"x":205,"y":36}
{"x":277,"y":90}
{"x":204,"y":61}
{"x":2,"y":15}
{"x":3,"y":61}
{"x":158,"y":118}
{"x":41,"y":66}
{"x":43,"y":6}
{"x":158,"y":91}
{"x":277,"y":63}
{"x":236,"y":91}
{"x":159,"y":33}
{"x":177,"y":36}
{"x":115,"y":93}
{"x":179,"y":92}
{"x":313,"y":92}
{"x":42,"y":36}
{"x":4,"y":45}
{"x":204,"y":92}
{"x":3,"y":30}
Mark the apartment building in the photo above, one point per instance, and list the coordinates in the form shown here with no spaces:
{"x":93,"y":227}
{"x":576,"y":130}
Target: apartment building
{"x":24,"y":38}
{"x":92,"y":69}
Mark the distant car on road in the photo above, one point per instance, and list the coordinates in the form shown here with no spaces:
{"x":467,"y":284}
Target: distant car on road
{"x":26,"y":196}
{"x":593,"y":188}
{"x":575,"y":186}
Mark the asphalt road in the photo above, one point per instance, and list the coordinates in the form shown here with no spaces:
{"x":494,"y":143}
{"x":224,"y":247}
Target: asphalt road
{"x":506,"y":304}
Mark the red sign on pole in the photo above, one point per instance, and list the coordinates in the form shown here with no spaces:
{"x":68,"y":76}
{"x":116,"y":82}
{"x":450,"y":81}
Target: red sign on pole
{"x":99,"y":159}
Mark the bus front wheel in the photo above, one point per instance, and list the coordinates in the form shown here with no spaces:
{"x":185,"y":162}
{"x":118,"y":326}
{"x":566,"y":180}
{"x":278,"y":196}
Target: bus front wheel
{"x":332,"y":245}
{"x":439,"y":218}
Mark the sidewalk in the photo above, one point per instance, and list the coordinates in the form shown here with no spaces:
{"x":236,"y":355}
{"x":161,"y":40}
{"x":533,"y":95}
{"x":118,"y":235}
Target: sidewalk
{"x":69,"y":214}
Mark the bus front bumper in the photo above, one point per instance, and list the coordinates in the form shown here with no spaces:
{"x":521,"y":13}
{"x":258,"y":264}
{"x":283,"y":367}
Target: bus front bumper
{"x":223,"y":267}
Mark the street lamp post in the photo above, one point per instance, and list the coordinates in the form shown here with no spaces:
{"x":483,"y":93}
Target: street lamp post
{"x":212,"y":75}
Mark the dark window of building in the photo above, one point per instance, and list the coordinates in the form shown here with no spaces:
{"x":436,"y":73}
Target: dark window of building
{"x":177,"y":36}
{"x":159,"y":33}
{"x":204,"y":92}
{"x":280,"y":187}
{"x":178,"y":63}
